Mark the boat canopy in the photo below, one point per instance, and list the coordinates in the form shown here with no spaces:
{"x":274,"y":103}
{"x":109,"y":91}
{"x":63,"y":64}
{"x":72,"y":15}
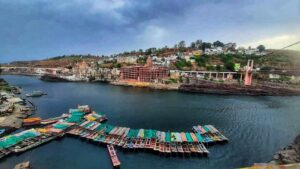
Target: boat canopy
{"x":147,"y":133}
{"x":178,"y":137}
{"x":132,"y":133}
{"x":183,"y":137}
{"x":108,"y":128}
{"x":158,"y":133}
{"x":162,"y":136}
{"x":189,"y":137}
{"x":75,"y":116}
{"x":205,"y":128}
{"x":173,"y":137}
{"x":100,"y":127}
{"x":14,"y":139}
{"x":194,"y":137}
{"x":141,"y":133}
{"x":153,"y":134}
{"x":199,"y":137}
{"x":168,"y":137}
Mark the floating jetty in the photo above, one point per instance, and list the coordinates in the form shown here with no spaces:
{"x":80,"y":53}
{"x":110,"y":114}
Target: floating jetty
{"x":91,"y":126}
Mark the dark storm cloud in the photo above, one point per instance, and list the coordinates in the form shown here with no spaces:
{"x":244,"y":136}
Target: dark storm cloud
{"x":33,"y":29}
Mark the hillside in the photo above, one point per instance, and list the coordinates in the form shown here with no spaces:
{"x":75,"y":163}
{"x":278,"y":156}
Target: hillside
{"x":273,"y":60}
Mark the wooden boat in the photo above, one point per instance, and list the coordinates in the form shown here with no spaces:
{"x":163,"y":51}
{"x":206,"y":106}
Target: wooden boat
{"x":179,"y":148}
{"x":107,"y":139}
{"x":173,"y":147}
{"x":136,"y":143}
{"x":185,"y":148}
{"x":35,"y":94}
{"x":143,"y":142}
{"x":203,"y":148}
{"x":197,"y":149}
{"x":152,"y":145}
{"x":147,"y":143}
{"x":113,"y":156}
{"x":32,"y":121}
{"x":191,"y":147}
{"x":131,"y":143}
{"x":167,"y":148}
{"x":122,"y":141}
{"x":125,"y":145}
{"x":157,"y":144}
{"x":161,"y":147}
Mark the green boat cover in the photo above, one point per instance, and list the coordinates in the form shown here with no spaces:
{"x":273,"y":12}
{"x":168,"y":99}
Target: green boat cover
{"x":199,"y":137}
{"x":60,"y":126}
{"x":205,"y":128}
{"x":153,"y":134}
{"x":80,"y":123}
{"x":109,"y":128}
{"x":133,"y":133}
{"x":11,"y":140}
{"x":173,"y":137}
{"x":189,"y":137}
{"x":147,"y":133}
{"x":75,"y":116}
{"x":100,"y":127}
{"x":168,"y":137}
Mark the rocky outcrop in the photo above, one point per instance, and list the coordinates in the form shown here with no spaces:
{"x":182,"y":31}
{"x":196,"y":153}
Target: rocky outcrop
{"x":289,"y":154}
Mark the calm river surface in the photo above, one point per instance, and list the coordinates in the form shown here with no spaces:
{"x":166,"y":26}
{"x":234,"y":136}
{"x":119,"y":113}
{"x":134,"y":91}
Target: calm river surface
{"x":256,"y":126}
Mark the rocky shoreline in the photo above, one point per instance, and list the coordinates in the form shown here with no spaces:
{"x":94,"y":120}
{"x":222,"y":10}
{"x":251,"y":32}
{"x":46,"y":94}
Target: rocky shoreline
{"x":288,"y":155}
{"x":13,"y":109}
{"x":235,"y":89}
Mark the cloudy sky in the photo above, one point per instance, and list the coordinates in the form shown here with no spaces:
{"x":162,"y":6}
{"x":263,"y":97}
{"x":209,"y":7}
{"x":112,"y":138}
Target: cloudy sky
{"x":37,"y":29}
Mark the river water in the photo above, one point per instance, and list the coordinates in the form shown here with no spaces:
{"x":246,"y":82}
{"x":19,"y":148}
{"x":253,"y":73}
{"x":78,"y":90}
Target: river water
{"x":257,"y":127}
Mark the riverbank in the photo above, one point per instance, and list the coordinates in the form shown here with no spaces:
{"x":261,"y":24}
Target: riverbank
{"x":202,"y":86}
{"x":12,"y":108}
{"x":158,"y":86}
{"x":236,"y":89}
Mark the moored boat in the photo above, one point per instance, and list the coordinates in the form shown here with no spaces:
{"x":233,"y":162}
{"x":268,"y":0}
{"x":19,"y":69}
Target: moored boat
{"x":113,"y":155}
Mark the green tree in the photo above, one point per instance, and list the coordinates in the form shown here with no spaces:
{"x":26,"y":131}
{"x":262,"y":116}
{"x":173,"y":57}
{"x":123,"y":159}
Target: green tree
{"x":193,"y":45}
{"x":206,"y":45}
{"x":218,"y":44}
{"x":261,"y":48}
{"x":198,"y":44}
{"x":181,"y":44}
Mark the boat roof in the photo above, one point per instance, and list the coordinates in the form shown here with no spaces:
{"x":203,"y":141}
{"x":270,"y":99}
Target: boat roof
{"x":141,"y":133}
{"x":168,"y":137}
{"x":189,"y":137}
{"x":183,"y":137}
{"x":194,"y":137}
{"x":199,"y":137}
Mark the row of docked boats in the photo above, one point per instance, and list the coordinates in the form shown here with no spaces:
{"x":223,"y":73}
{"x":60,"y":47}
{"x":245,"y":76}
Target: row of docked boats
{"x":27,"y":144}
{"x":87,"y":124}
{"x":210,"y":133}
{"x":131,"y":139}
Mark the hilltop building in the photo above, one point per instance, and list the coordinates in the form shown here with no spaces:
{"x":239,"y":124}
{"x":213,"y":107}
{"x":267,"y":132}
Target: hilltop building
{"x":146,"y":73}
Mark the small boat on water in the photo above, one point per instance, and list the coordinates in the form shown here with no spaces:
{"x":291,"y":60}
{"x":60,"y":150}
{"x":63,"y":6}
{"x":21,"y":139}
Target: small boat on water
{"x":32,"y":121}
{"x":113,"y":156}
{"x":35,"y":94}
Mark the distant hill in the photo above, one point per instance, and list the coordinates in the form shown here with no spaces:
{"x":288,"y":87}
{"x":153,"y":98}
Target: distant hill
{"x":275,"y":59}
{"x":58,"y":61}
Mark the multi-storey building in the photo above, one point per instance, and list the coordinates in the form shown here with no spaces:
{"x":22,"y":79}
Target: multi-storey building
{"x":147,"y":73}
